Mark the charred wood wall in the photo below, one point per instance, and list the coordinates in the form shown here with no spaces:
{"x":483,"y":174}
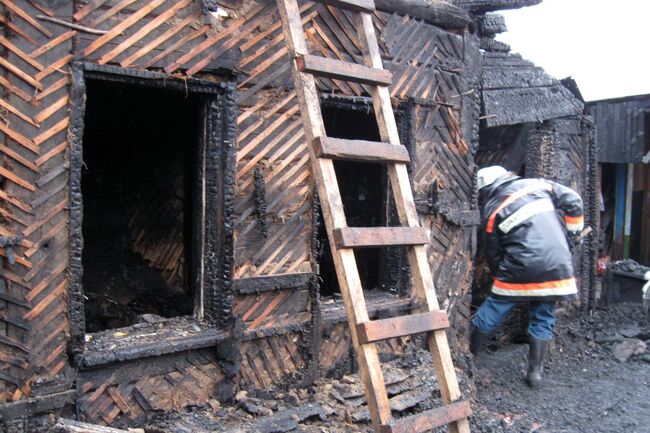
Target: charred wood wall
{"x":621,"y":128}
{"x":267,"y":306}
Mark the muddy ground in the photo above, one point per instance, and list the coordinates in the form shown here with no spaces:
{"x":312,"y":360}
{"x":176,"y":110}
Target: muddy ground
{"x":587,"y":388}
{"x":597,"y":380}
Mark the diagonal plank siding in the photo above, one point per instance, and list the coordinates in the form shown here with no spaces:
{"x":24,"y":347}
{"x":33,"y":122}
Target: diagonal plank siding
{"x":177,"y":37}
{"x":33,"y":198}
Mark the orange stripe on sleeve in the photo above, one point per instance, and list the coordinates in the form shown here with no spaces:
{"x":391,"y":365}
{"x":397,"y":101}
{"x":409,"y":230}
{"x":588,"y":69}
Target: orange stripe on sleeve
{"x":574,"y":220}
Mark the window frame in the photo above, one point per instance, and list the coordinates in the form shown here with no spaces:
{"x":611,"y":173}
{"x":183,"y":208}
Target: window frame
{"x":212,"y":225}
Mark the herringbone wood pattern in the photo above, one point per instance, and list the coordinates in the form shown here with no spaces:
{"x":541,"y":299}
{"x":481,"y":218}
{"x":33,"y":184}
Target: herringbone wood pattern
{"x":177,"y":37}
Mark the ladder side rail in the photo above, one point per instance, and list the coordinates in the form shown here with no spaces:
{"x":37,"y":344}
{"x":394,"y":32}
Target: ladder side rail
{"x":423,"y":287}
{"x":332,"y":208}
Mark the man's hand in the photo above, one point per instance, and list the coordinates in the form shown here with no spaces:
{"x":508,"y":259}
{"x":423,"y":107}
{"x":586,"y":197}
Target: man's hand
{"x":575,"y":238}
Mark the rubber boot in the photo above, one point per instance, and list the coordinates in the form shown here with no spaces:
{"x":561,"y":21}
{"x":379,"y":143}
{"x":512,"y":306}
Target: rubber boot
{"x":477,"y":340}
{"x":536,"y":353}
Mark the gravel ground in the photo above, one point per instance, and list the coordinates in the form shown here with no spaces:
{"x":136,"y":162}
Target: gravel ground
{"x":587,"y":389}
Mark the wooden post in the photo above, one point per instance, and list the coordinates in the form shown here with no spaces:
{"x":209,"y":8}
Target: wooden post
{"x":627,"y":228}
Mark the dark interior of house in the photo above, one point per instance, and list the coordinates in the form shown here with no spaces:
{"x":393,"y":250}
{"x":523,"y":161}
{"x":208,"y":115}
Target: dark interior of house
{"x":138,"y":186}
{"x":364,"y":190}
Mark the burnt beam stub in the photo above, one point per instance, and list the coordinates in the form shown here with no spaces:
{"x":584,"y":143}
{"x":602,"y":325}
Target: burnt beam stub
{"x":260,"y":201}
{"x":256,"y":285}
{"x":492,"y":24}
{"x":215,"y":162}
{"x":482,"y":6}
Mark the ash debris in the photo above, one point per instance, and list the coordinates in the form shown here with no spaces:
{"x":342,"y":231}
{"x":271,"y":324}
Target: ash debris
{"x":598,"y":380}
{"x":330,"y":405}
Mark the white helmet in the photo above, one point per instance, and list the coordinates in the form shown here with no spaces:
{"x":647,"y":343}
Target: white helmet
{"x":486,"y":176}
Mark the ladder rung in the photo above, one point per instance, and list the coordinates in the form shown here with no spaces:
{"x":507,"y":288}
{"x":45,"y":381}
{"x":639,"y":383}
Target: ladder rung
{"x":428,"y":420}
{"x":359,"y":150}
{"x":367,"y":6}
{"x":346,"y":71}
{"x":384,"y":329}
{"x":369,"y":237}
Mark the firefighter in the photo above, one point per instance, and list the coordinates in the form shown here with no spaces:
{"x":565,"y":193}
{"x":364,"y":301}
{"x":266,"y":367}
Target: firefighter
{"x":527,"y":249}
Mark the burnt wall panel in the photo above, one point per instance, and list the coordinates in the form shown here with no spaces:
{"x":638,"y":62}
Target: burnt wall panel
{"x":126,"y":394}
{"x":33,"y":199}
{"x":280,"y":308}
{"x":621,"y":128}
{"x":273,"y":360}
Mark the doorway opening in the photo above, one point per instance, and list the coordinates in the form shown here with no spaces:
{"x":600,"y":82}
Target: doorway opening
{"x":140,"y":193}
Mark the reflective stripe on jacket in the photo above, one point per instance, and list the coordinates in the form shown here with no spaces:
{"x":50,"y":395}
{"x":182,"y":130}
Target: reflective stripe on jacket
{"x":525,"y":241}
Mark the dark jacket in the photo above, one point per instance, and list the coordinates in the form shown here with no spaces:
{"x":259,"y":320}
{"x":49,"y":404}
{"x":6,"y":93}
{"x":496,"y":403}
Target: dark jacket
{"x":525,"y":241}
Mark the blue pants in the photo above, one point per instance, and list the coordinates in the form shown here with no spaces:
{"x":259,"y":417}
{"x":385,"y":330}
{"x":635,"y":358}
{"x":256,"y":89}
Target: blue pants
{"x":541,"y":317}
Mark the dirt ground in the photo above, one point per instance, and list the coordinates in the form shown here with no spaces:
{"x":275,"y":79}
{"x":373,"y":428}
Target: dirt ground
{"x":587,"y":389}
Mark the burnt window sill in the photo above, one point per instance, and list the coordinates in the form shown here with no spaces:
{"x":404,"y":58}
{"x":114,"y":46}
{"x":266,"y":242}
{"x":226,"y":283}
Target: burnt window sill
{"x":148,"y":339}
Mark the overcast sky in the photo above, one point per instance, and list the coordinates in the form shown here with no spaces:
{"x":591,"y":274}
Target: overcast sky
{"x":602,"y":44}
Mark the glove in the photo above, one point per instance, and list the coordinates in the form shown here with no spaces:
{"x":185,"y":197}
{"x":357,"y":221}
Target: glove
{"x":574,"y":240}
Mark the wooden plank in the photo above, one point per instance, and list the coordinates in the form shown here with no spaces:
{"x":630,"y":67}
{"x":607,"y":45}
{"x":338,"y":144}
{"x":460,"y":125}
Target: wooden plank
{"x":16,"y":179}
{"x":16,"y":29}
{"x":179,"y":43}
{"x":52,"y":43}
{"x":53,"y":88}
{"x":371,"y":237}
{"x":359,"y":150}
{"x":71,"y":426}
{"x":122,"y":26}
{"x":20,"y":53}
{"x":428,"y":420}
{"x":336,"y":69}
{"x":110,"y":12}
{"x":18,"y":113}
{"x":20,"y":74}
{"x":144,"y":31}
{"x":88,"y":9}
{"x":423,"y":287}
{"x":9,"y":86}
{"x":11,"y":5}
{"x":56,"y":66}
{"x":367,"y":6}
{"x":332,"y":207}
{"x":157,"y":42}
{"x":384,"y":329}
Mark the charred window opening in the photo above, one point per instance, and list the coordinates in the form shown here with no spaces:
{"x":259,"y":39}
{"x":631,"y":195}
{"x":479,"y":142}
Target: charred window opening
{"x":139,"y":187}
{"x":367,"y":202}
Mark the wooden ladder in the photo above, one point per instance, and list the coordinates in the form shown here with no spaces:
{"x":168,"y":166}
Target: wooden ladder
{"x":344,"y":240}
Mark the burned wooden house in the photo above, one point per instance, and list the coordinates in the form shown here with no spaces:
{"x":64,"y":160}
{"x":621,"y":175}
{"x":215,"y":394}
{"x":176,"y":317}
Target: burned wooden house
{"x":162,"y":242}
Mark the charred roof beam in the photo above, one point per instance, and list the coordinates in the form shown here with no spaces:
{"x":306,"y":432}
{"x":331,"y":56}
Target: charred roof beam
{"x":482,"y":6}
{"x":440,"y":13}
